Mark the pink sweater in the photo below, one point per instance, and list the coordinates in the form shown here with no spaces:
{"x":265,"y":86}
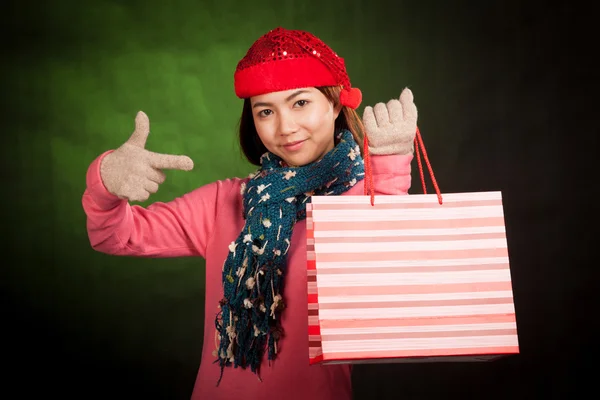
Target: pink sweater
{"x":202,"y":223}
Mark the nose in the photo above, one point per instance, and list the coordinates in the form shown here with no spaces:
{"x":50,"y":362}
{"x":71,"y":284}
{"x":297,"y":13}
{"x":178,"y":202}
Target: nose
{"x":287,"y":124}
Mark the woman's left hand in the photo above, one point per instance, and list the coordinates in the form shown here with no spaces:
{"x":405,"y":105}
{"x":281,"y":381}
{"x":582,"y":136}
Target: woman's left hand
{"x":391,"y":127}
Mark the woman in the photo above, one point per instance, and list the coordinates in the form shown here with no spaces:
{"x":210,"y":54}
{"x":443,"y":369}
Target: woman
{"x":299,"y":125}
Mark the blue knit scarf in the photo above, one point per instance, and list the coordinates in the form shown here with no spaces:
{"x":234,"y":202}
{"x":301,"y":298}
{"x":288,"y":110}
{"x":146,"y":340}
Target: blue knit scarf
{"x":248,"y":322}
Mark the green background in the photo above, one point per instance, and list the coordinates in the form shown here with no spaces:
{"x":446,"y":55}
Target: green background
{"x":84,"y":322}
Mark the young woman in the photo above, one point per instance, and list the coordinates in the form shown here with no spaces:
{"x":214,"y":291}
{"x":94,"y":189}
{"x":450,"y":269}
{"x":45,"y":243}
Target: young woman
{"x":299,"y":125}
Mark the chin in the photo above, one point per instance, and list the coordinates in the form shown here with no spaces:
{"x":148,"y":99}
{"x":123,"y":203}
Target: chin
{"x":299,"y":160}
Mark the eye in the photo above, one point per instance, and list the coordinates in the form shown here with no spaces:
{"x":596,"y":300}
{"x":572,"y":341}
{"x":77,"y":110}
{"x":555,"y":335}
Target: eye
{"x":264,"y":113}
{"x":302,"y":103}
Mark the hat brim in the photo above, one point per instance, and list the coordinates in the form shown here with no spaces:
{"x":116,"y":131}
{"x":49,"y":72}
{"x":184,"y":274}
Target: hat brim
{"x":282,"y":75}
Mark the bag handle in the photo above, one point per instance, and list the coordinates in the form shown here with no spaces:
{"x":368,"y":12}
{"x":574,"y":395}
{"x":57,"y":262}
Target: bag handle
{"x":369,"y":187}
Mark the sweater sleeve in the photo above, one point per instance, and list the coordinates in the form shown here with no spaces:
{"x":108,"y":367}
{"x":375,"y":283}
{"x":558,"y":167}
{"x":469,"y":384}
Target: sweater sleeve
{"x":391,"y":173}
{"x":179,"y":228}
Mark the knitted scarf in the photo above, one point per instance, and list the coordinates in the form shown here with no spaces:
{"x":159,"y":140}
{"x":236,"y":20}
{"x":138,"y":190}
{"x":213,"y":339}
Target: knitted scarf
{"x":248,"y":322}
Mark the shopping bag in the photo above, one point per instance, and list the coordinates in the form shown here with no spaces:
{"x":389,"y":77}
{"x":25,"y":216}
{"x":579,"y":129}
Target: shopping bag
{"x":408,"y":279}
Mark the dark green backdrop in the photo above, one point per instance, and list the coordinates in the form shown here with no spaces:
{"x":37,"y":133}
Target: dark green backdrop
{"x":79,"y":71}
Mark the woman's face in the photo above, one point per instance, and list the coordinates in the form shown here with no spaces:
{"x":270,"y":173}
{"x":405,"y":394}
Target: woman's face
{"x":296,"y":125}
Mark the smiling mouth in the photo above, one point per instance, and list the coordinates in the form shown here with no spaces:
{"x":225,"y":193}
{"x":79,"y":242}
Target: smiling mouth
{"x":292,"y":144}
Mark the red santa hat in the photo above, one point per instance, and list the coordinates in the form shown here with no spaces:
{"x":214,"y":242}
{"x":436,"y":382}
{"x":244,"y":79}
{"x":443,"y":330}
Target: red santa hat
{"x":285,"y":59}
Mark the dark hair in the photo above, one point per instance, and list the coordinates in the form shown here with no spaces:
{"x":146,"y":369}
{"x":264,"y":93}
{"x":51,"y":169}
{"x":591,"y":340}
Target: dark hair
{"x":253,"y":148}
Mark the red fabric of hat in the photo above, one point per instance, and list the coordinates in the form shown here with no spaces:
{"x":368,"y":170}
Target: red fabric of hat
{"x":286,"y":59}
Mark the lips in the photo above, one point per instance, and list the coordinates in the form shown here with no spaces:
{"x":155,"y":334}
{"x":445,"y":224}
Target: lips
{"x":294,"y":146}
{"x":293,"y":143}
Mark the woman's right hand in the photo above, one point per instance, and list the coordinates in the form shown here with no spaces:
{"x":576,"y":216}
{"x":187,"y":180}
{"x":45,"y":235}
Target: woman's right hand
{"x":131,"y":172}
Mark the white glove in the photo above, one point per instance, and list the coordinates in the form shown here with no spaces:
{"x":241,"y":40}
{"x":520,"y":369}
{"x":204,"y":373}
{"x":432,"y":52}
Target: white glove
{"x":131,"y":172}
{"x":391,"y":127}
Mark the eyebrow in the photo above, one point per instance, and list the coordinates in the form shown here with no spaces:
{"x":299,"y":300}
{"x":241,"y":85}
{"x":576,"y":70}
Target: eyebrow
{"x":290,"y":97}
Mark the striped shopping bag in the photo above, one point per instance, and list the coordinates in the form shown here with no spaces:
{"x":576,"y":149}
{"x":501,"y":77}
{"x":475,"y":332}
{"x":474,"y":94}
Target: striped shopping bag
{"x":409,"y":278}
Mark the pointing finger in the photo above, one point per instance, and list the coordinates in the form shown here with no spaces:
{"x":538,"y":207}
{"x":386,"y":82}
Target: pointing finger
{"x":408,"y":105}
{"x":142,"y":129}
{"x":169,"y":161}
{"x":369,"y":119}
